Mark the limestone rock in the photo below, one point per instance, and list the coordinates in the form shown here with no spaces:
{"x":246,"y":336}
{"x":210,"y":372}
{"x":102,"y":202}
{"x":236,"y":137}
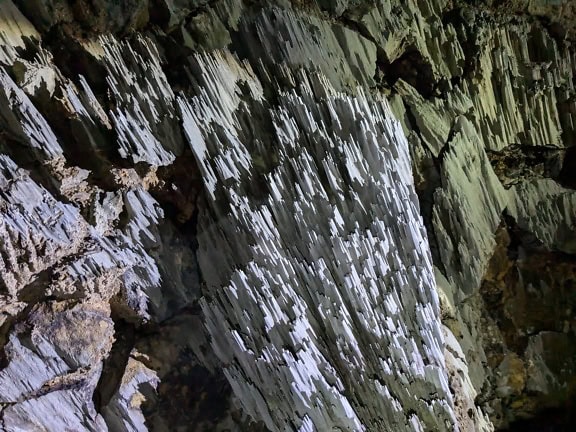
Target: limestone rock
{"x":283,"y":278}
{"x":123,"y":412}
{"x":469,"y":180}
{"x":547,"y":210}
{"x":37,"y":230}
{"x":15,"y":31}
{"x":90,"y":15}
{"x":344,"y":56}
{"x":144,"y":111}
{"x":54,"y":361}
{"x":285,"y":215}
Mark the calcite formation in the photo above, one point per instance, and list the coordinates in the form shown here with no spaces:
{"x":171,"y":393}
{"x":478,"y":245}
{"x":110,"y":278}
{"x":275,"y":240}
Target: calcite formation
{"x":286,"y":215}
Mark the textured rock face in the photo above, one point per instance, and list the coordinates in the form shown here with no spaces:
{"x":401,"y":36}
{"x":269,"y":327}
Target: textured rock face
{"x":323,"y":247}
{"x":238,"y":215}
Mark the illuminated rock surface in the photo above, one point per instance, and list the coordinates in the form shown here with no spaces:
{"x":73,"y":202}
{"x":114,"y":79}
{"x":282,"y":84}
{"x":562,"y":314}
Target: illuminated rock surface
{"x":312,"y":216}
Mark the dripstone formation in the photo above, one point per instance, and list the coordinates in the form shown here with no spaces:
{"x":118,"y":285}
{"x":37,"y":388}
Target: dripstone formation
{"x":287,"y":215}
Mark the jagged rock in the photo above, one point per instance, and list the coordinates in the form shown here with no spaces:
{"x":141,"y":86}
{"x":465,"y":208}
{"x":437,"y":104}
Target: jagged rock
{"x":15,"y":30}
{"x":54,"y":361}
{"x":188,"y":374}
{"x":400,"y":27}
{"x":547,"y":210}
{"x":469,"y":416}
{"x":520,"y":105}
{"x":285,"y":277}
{"x":559,"y":12}
{"x":89,"y":15}
{"x":174,"y":12}
{"x":37,"y":230}
{"x":58,"y":410}
{"x":295,"y":39}
{"x":516,"y":163}
{"x":548,"y":373}
{"x":464,"y":231}
{"x":123,"y":412}
{"x":144,"y":117}
{"x":23,"y":123}
{"x":206,"y":32}
{"x":433,"y":120}
{"x":529,"y":303}
{"x":221,"y":205}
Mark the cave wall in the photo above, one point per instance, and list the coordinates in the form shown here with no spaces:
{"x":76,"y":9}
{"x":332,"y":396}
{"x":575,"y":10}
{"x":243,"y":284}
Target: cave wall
{"x":286,"y":215}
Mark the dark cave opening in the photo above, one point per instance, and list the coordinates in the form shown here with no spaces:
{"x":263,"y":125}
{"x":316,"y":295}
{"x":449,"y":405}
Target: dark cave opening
{"x":558,"y":419}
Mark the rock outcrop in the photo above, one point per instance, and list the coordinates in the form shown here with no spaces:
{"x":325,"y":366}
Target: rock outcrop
{"x":286,"y":215}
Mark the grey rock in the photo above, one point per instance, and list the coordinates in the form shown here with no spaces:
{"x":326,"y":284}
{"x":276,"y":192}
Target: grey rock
{"x":123,"y":413}
{"x":464,"y":231}
{"x":206,"y":31}
{"x":37,"y":230}
{"x":280,"y":279}
{"x":14,"y":29}
{"x":175,"y":12}
{"x":144,"y":117}
{"x":54,"y":361}
{"x":22,"y":121}
{"x":343,"y":56}
{"x":91,"y":15}
{"x":547,"y":210}
{"x":248,"y":214}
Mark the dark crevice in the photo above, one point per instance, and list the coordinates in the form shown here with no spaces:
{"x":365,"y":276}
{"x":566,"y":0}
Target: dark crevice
{"x":415,"y":70}
{"x":528,"y":291}
{"x":176,"y":52}
{"x":115,"y":364}
{"x":179,"y":190}
{"x":467,"y":38}
{"x":73,"y":60}
{"x":446,"y":147}
{"x":560,"y":419}
{"x":567,"y":175}
{"x":189,"y":395}
{"x":426,"y":191}
{"x":160,"y":13}
{"x":520,"y":238}
{"x":25,"y":158}
{"x":30,"y":50}
{"x":517,"y":163}
{"x":426,"y":201}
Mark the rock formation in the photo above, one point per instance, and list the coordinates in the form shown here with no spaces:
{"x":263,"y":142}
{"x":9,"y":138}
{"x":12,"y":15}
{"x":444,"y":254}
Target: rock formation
{"x":287,"y":215}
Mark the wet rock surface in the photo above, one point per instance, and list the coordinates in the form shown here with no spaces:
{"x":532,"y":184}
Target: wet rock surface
{"x":287,"y":215}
